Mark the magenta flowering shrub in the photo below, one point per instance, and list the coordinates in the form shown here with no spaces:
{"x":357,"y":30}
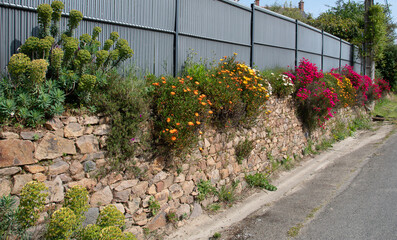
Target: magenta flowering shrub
{"x":367,"y":90}
{"x":316,"y":102}
{"x":384,"y":85}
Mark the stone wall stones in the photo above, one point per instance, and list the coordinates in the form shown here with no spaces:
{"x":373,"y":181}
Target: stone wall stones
{"x":71,"y":151}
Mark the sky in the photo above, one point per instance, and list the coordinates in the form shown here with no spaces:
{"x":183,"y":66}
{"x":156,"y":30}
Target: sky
{"x":315,"y":7}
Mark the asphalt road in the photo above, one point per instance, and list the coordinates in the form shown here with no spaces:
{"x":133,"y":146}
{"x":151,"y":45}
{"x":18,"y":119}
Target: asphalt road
{"x":355,"y":197}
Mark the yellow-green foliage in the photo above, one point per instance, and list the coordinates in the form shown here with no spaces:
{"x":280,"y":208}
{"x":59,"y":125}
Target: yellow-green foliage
{"x":56,"y":58}
{"x":32,"y":201}
{"x":85,"y":39}
{"x":95,"y":32}
{"x":114,"y":36}
{"x":124,"y":49}
{"x":75,"y":18}
{"x":18,"y":65}
{"x":91,"y":232}
{"x":108,"y":44}
{"x":87,"y":82}
{"x":30,"y":46}
{"x":101,"y":57}
{"x":114,"y":55}
{"x":44,"y":46}
{"x":62,"y":225}
{"x":84,"y":56}
{"x":111,"y":233}
{"x":110,"y":216}
{"x":76,"y":199}
{"x":129,"y":236}
{"x":44,"y":12}
{"x":37,"y":71}
{"x":70,"y":46}
{"x":57,"y":7}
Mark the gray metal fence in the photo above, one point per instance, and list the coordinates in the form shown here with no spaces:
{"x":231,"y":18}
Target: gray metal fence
{"x":163,"y":33}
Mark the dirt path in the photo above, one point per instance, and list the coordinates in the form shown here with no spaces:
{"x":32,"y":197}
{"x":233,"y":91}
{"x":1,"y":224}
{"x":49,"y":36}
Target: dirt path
{"x":205,"y":226}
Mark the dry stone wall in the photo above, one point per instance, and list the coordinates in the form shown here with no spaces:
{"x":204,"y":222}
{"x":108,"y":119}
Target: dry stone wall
{"x":72,"y":149}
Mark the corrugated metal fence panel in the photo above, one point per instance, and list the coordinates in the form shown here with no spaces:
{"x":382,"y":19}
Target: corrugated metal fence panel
{"x":346,"y":52}
{"x":270,"y":57}
{"x":15,"y":27}
{"x":209,"y":51}
{"x":213,"y":28}
{"x":271,"y":30}
{"x":150,"y":13}
{"x":215,"y":19}
{"x":309,"y":40}
{"x":331,"y":46}
{"x":330,"y":63}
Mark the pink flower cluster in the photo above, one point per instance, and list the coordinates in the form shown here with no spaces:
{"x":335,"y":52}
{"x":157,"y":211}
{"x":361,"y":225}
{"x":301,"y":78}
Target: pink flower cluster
{"x":367,"y":90}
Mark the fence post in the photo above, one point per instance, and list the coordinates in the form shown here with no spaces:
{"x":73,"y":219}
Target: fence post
{"x":176,"y":38}
{"x":296,"y":42}
{"x":322,"y":49}
{"x":352,"y":55}
{"x":252,"y":34}
{"x":340,"y":54}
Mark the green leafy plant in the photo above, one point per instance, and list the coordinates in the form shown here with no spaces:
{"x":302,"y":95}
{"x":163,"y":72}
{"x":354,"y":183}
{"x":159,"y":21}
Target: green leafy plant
{"x":154,"y":206}
{"x":8,"y":219}
{"x":243,"y":149}
{"x":44,"y":15}
{"x":259,"y":180}
{"x":205,"y":188}
{"x":32,"y":199}
{"x":76,"y":199}
{"x":110,"y":216}
{"x":62,"y":224}
{"x":214,"y":207}
{"x":226,"y":193}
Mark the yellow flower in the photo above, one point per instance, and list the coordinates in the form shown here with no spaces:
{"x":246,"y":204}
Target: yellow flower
{"x":196,"y":114}
{"x":172,"y":131}
{"x":172,"y":93}
{"x":190,"y":123}
{"x":198,"y":123}
{"x":210,"y":112}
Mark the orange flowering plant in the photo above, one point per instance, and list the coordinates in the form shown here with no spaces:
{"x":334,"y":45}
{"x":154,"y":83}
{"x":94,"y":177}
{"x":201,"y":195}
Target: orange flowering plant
{"x":235,"y":91}
{"x":179,"y":109}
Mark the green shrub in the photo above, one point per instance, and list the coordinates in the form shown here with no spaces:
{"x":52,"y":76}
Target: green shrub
{"x":243,"y":150}
{"x":18,"y":65}
{"x":62,"y":225}
{"x":108,"y":44}
{"x":76,"y":199}
{"x":259,"y":180}
{"x":110,"y":216}
{"x":125,"y":100}
{"x":114,"y":36}
{"x":44,"y":16}
{"x":204,"y":189}
{"x":75,"y":18}
{"x":180,"y":110}
{"x":91,"y":232}
{"x":8,"y":219}
{"x":56,"y":60}
{"x":281,"y":84}
{"x":154,"y":206}
{"x":32,"y":199}
{"x":37,"y":71}
{"x":95,"y":32}
{"x":57,"y":7}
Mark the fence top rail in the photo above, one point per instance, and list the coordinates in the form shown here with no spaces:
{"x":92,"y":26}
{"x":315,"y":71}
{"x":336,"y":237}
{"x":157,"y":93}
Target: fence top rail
{"x":236,"y":5}
{"x":267,"y":11}
{"x":331,"y":36}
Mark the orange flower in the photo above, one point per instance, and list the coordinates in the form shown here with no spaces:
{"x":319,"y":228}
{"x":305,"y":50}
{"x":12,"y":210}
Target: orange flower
{"x":195,"y":92}
{"x":200,"y":132}
{"x":198,"y":123}
{"x":190,"y":123}
{"x":210,"y":112}
{"x":197,"y":83}
{"x":172,"y":93}
{"x":178,"y":124}
{"x":201,"y":149}
{"x":173,"y":87}
{"x":162,"y":78}
{"x":164,"y":82}
{"x":168,"y":119}
{"x":173,"y":138}
{"x":196,"y":114}
{"x":203,"y":103}
{"x":172,"y":131}
{"x":230,"y":102}
{"x":184,"y":90}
